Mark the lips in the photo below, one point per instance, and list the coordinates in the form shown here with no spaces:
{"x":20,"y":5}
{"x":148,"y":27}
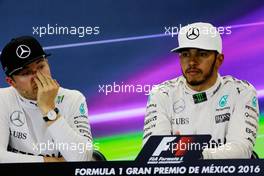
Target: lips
{"x":193,"y":71}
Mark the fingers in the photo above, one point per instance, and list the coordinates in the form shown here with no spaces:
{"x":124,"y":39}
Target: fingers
{"x":46,"y":80}
{"x":39,"y":84}
{"x":177,"y":132}
{"x":50,"y":81}
{"x":42,"y":79}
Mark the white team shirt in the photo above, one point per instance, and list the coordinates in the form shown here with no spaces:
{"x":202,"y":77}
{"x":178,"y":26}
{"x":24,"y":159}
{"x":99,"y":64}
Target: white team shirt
{"x":229,"y":115}
{"x":25,"y":137}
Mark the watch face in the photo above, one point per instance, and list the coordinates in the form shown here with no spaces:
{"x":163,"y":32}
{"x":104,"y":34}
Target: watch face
{"x":52,"y":115}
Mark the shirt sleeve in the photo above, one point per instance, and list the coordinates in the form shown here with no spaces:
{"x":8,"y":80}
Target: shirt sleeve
{"x":241,"y":131}
{"x":157,"y":120}
{"x":73,"y":132}
{"x":5,"y":155}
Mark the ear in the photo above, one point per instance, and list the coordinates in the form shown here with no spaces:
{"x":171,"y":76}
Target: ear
{"x":220,"y":59}
{"x":10,"y":81}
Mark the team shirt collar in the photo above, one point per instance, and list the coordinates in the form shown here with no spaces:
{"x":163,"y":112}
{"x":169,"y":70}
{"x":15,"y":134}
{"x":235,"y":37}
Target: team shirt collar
{"x":209,"y":92}
{"x":26,"y":102}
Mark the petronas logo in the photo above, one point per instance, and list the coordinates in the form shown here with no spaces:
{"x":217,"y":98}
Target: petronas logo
{"x":82,"y":109}
{"x":254,"y":102}
{"x":223,"y":101}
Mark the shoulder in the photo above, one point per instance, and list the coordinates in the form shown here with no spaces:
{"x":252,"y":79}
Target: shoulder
{"x":70,"y":101}
{"x":6,"y":90}
{"x":242,"y":86}
{"x":7,"y":94}
{"x":8,"y":100}
{"x":68,"y":95}
{"x":169,"y":86}
{"x":69,"y":92}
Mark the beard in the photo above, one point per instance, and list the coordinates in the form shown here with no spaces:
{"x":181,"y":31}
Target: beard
{"x":32,"y":93}
{"x":205,"y":77}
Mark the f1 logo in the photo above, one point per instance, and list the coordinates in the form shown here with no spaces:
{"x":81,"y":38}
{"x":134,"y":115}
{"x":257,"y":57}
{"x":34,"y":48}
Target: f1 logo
{"x":163,"y":146}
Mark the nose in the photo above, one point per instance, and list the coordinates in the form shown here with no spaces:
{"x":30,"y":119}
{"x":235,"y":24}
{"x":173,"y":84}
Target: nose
{"x":193,"y":60}
{"x":33,"y":74}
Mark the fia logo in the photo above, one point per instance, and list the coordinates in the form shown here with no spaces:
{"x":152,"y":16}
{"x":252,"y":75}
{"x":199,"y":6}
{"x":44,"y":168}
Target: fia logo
{"x":223,"y":101}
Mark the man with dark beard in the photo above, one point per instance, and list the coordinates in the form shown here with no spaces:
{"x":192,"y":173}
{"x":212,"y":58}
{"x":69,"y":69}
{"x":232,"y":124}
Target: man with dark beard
{"x":203,"y":102}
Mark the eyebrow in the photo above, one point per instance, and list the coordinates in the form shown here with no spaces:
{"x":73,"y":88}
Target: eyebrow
{"x":37,"y":62}
{"x":40,"y":60}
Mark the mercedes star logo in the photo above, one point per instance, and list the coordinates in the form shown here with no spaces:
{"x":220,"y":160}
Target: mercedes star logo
{"x":23,"y":51}
{"x":17,"y":119}
{"x":193,"y":33}
{"x":178,"y":106}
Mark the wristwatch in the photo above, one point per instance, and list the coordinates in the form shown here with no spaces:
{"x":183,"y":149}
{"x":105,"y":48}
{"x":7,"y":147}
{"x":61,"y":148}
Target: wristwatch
{"x":51,"y":115}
